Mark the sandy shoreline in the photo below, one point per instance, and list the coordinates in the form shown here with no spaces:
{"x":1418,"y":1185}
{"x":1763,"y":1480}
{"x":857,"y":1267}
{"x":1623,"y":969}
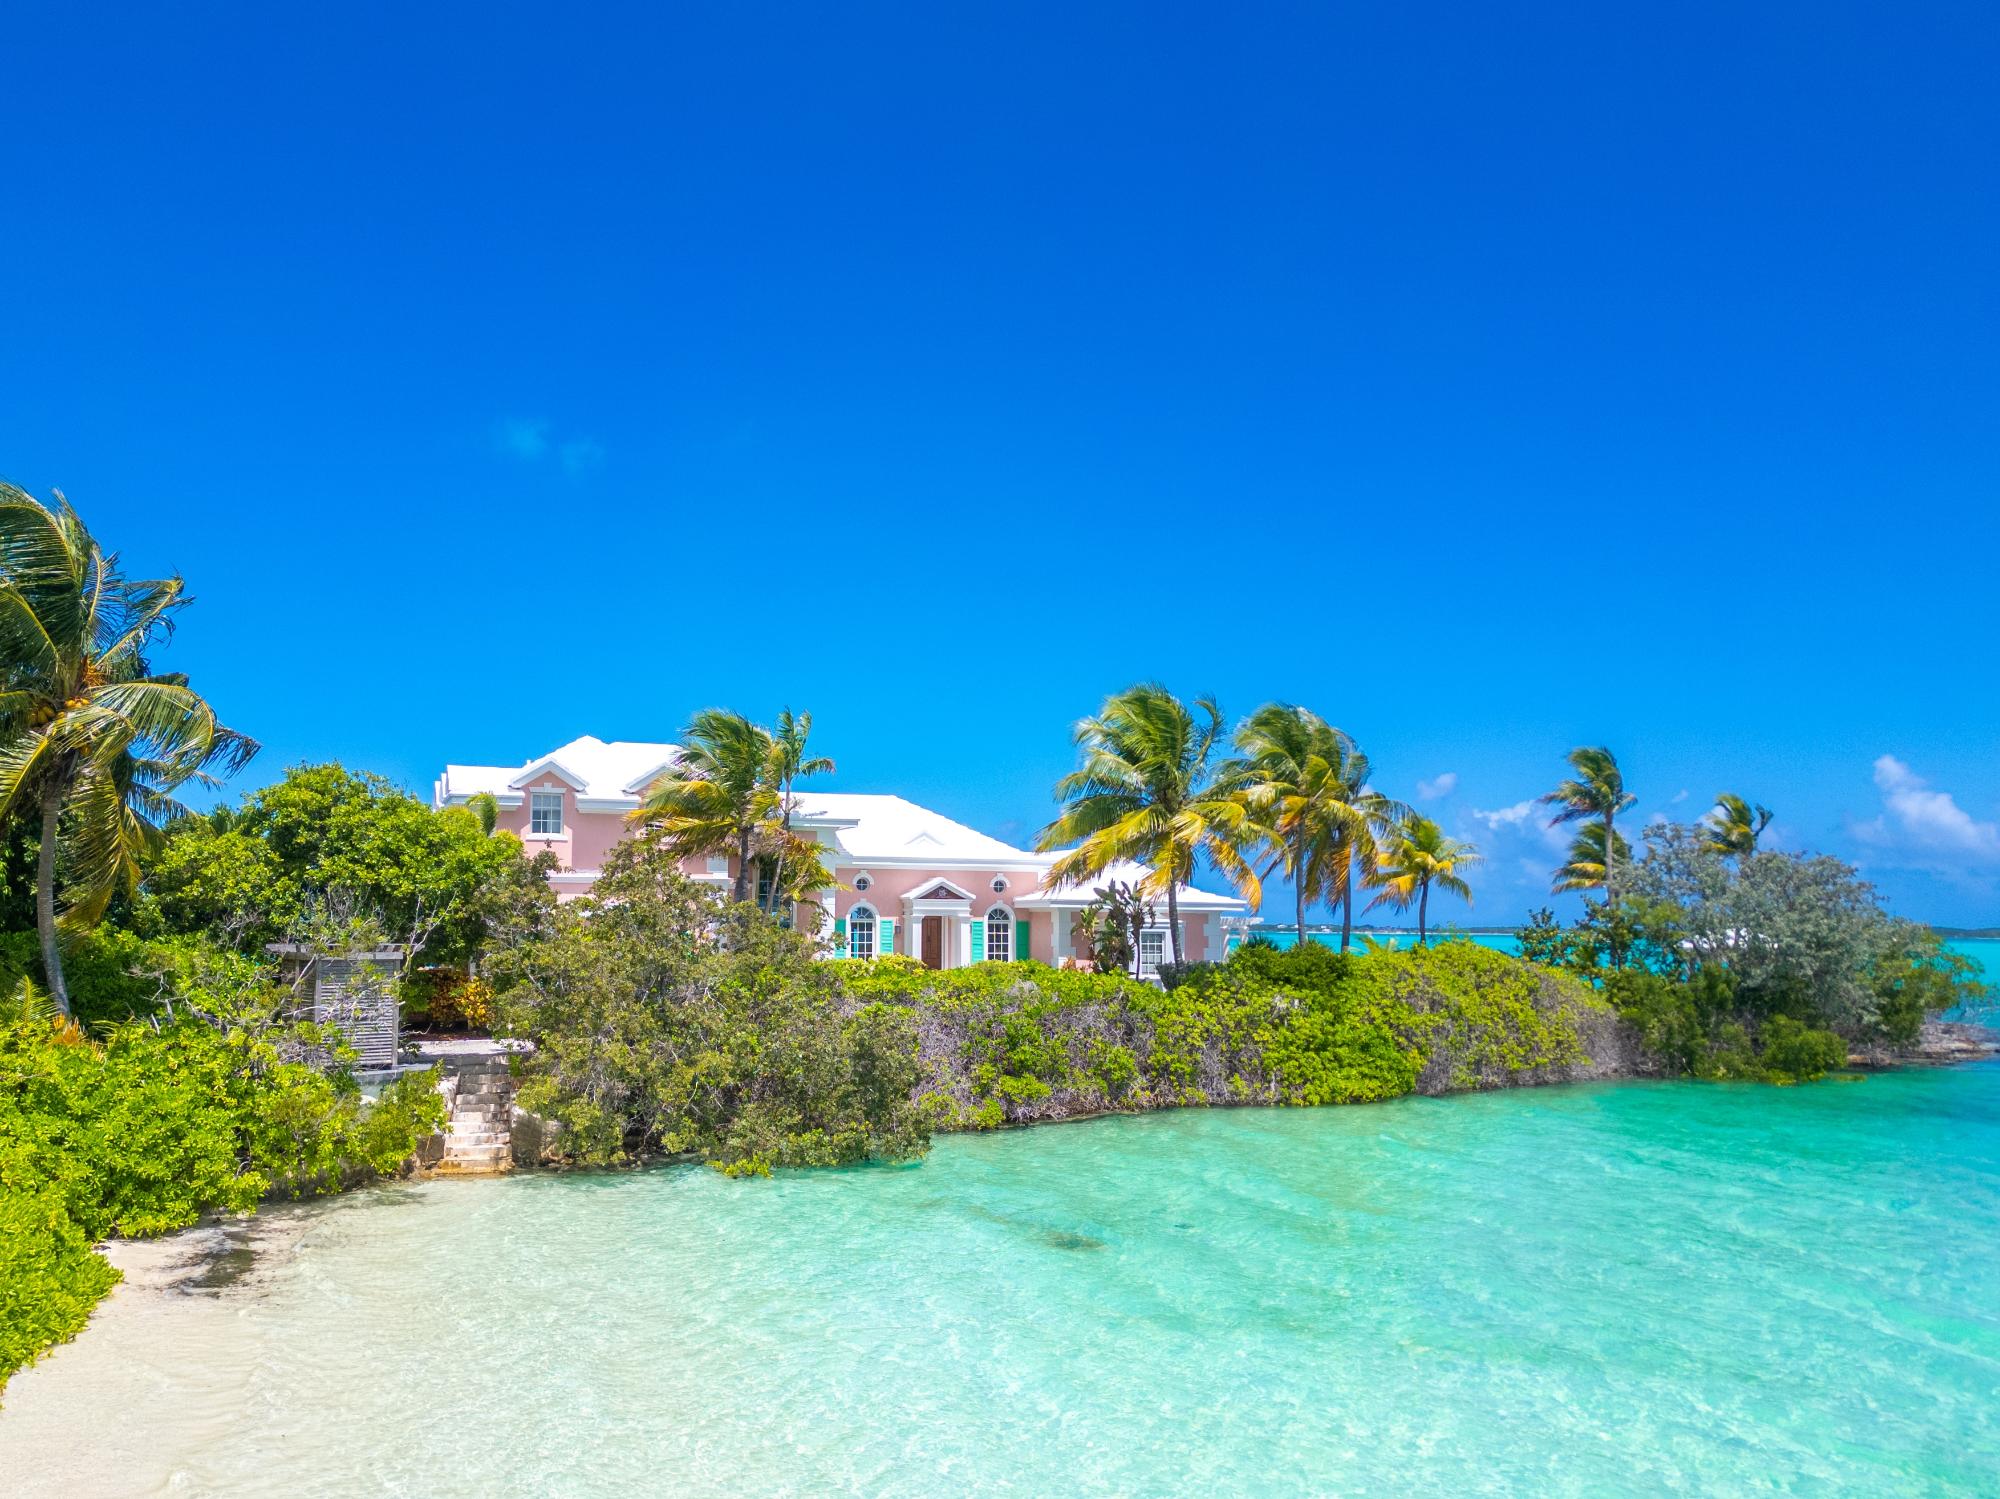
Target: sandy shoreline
{"x":60,"y":1432}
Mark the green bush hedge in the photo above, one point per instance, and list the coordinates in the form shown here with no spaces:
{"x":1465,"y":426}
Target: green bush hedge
{"x":1012,"y":1042}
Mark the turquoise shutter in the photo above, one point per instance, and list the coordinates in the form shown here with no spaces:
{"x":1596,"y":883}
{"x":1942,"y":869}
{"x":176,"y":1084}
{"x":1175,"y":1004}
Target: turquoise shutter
{"x":1021,"y":940}
{"x":885,"y":941}
{"x":978,"y":939}
{"x":840,"y":937}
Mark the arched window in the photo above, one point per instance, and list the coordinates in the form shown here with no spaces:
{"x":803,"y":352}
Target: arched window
{"x":999,"y":935}
{"x":861,"y":932}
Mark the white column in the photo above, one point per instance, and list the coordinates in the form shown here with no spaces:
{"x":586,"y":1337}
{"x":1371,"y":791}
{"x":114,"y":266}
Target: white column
{"x":963,"y":957}
{"x":1059,"y":947}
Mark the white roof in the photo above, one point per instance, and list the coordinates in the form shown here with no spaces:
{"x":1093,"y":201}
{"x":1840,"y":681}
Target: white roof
{"x":866,"y":829}
{"x":597,"y":771}
{"x":886,"y":829}
{"x":1125,"y":872}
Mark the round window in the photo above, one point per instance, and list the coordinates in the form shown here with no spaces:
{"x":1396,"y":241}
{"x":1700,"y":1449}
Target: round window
{"x":862,"y":882}
{"x":999,"y":884}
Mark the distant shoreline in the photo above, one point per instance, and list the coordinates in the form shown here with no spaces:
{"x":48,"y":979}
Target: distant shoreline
{"x":1963,"y":933}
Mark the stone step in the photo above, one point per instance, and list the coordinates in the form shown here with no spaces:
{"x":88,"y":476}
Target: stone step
{"x":492,"y":1158}
{"x":479,"y":1101}
{"x":473,"y":1168}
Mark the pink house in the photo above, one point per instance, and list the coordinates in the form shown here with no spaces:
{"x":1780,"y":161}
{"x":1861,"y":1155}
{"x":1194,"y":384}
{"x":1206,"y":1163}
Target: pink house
{"x":908,"y":880}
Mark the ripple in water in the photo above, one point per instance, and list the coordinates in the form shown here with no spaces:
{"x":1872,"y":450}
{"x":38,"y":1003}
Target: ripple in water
{"x":1612,"y":1289}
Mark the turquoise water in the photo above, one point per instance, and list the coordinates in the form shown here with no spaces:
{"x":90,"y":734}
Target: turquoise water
{"x":1288,"y":937}
{"x":1606,"y":1289}
{"x":1984,"y":951}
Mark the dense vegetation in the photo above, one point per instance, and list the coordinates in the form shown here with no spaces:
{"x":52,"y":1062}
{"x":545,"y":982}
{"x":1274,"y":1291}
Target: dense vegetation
{"x":667,"y":1021}
{"x":1753,"y":964}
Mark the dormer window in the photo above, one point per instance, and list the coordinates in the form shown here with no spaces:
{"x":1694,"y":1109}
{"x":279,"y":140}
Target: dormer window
{"x":545,"y":813}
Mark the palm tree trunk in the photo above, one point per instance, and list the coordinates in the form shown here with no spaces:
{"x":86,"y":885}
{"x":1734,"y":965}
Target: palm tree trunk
{"x":1347,"y":910}
{"x":1423,"y":909}
{"x":1174,"y":919}
{"x":1611,"y":924}
{"x":45,"y":899}
{"x":784,"y":844}
{"x":740,"y":891}
{"x":1299,"y":884}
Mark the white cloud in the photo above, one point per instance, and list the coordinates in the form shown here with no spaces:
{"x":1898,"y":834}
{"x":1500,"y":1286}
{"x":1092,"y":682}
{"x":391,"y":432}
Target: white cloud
{"x":1926,"y":825}
{"x":531,"y":442}
{"x":525,"y":440}
{"x":1507,"y":817}
{"x":1437,"y":786}
{"x":1679,"y":796}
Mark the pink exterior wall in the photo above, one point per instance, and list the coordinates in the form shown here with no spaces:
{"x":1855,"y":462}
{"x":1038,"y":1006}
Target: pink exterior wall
{"x":589,"y":836}
{"x":885,"y":897}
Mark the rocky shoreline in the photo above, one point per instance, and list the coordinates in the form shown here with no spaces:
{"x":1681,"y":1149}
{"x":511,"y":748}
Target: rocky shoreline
{"x":1943,"y":1043}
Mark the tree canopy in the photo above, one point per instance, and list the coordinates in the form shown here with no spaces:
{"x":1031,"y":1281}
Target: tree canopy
{"x":327,"y":847}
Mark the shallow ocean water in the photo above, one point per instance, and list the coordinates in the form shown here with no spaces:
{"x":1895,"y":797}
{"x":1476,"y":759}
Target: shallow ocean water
{"x":1626,"y":1288}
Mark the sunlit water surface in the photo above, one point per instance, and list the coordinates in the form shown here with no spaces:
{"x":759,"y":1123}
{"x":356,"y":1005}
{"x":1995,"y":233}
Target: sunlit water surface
{"x":1634,"y":1288}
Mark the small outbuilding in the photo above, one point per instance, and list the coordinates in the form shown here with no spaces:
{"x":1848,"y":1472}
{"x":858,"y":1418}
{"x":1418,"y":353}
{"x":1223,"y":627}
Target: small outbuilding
{"x":355,"y":991}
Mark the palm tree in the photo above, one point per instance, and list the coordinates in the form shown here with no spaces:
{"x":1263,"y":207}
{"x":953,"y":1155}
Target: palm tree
{"x":1146,"y":790}
{"x":716,"y":797}
{"x":1356,"y":848}
{"x":789,"y":764}
{"x":1306,"y":785}
{"x":1597,"y":791}
{"x":91,"y":737}
{"x":1734,"y":826}
{"x":1420,"y":856}
{"x":483,"y":805}
{"x":1587,"y":869}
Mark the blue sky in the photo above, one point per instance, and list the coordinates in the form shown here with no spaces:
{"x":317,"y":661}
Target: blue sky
{"x":1492,"y":381}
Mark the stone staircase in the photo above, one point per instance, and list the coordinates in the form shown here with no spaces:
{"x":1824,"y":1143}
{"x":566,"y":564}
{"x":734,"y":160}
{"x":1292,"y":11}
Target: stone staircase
{"x":479,"y":1106}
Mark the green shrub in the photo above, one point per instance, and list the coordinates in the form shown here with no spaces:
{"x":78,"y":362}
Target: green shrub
{"x":1304,"y":965}
{"x":114,"y":975}
{"x":742,"y":1048}
{"x":1663,"y":1012}
{"x":145,"y":1131}
{"x":1795,"y":1053}
{"x":49,"y":1276}
{"x":1693,"y":1028}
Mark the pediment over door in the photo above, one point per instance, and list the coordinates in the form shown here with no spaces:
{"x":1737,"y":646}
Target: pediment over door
{"x":942,"y":890}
